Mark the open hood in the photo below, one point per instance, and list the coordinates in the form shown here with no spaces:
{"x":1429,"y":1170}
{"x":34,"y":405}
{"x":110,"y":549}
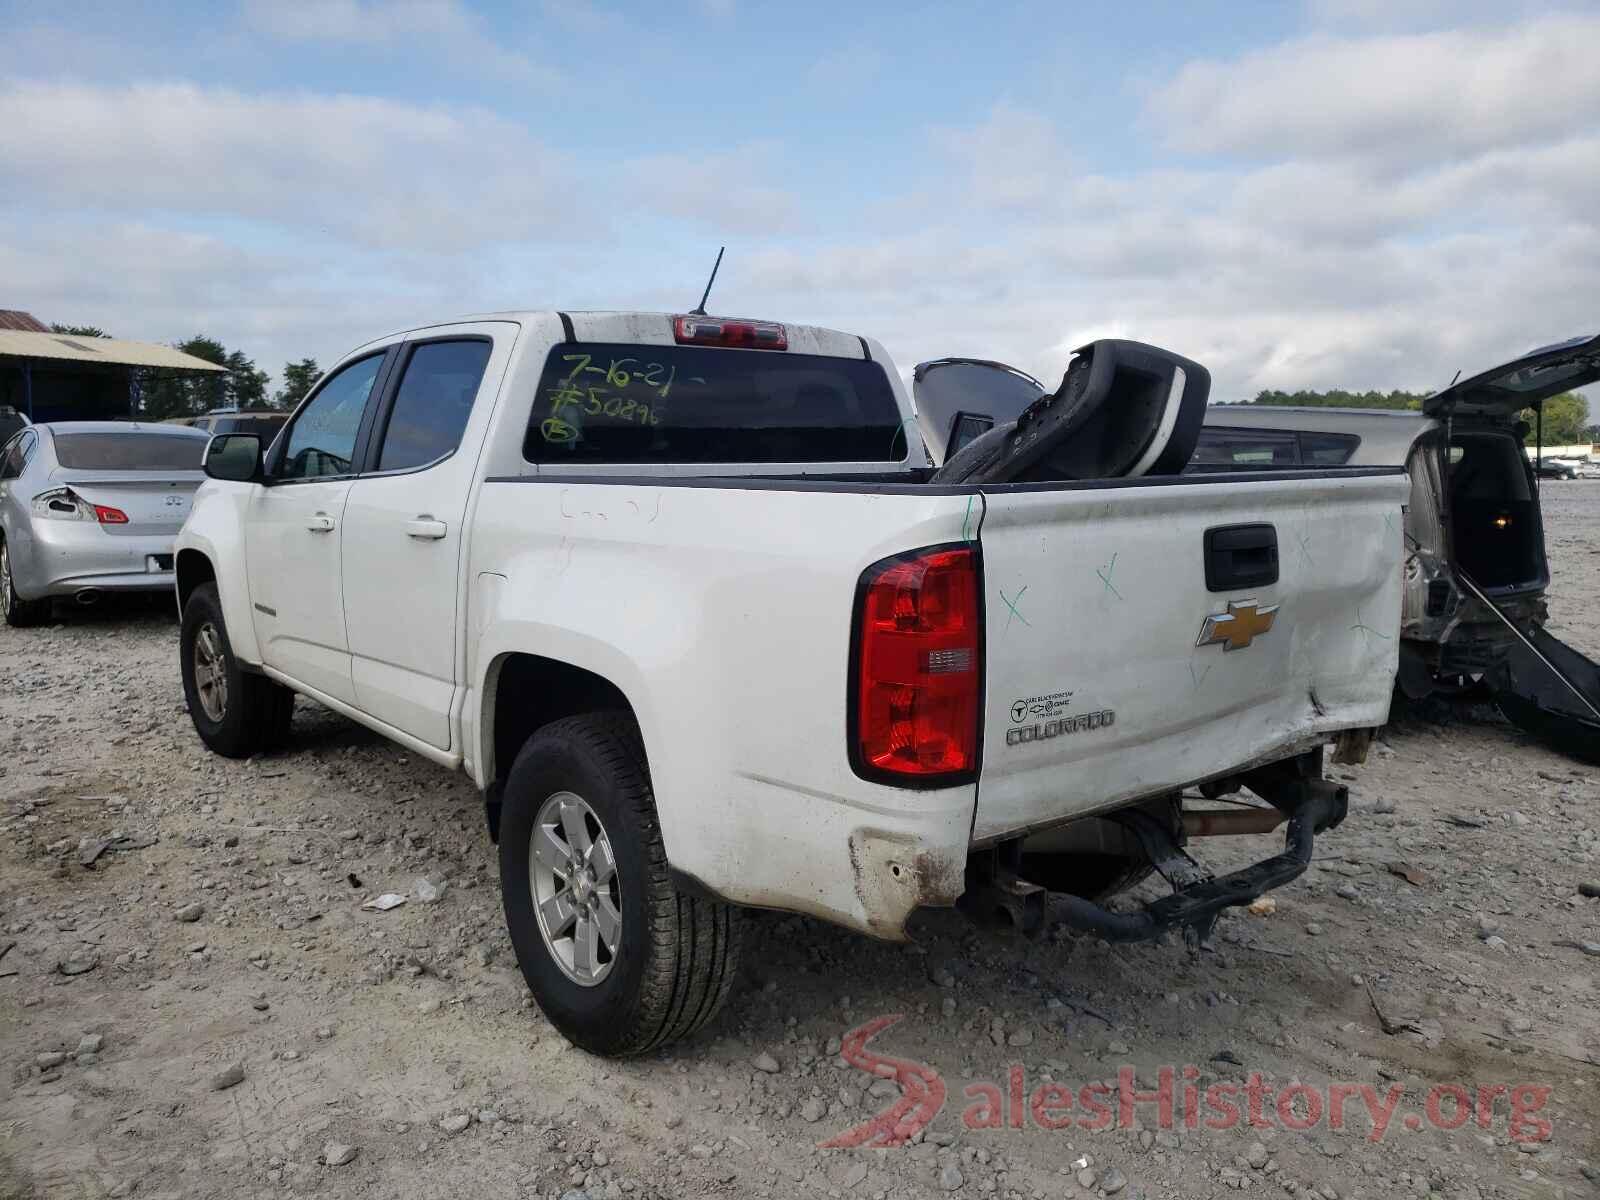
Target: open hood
{"x":959,"y":398}
{"x":1505,"y":390}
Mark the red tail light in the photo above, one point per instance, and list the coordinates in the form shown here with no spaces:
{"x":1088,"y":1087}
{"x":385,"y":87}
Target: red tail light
{"x":918,"y":669}
{"x":107,"y":515}
{"x":718,"y":331}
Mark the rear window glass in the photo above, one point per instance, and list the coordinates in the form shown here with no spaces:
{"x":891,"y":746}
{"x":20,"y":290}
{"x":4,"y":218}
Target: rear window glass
{"x":129,"y":451}
{"x":616,"y":403}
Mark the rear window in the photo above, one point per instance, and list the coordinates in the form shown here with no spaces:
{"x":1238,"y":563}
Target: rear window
{"x":619,"y":403}
{"x":129,"y":451}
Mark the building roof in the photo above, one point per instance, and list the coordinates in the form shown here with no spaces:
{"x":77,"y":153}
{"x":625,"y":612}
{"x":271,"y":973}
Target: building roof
{"x":20,"y":343}
{"x":11,"y":318}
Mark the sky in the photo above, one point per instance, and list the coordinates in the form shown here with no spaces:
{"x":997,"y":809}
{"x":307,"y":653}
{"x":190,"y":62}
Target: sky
{"x":1311,"y":193}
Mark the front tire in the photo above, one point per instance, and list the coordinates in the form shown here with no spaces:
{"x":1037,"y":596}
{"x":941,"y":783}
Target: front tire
{"x":18,"y":613}
{"x":620,"y":961}
{"x":236,"y":713}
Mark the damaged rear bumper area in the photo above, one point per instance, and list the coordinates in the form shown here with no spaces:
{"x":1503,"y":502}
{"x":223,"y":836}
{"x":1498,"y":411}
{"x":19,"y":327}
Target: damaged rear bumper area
{"x":1311,"y":804}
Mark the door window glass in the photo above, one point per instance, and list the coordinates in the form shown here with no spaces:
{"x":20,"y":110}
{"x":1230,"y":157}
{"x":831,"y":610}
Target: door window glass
{"x":433,"y":402}
{"x":1244,"y":449}
{"x":1328,"y":449}
{"x":968,"y":427}
{"x":322,"y":440}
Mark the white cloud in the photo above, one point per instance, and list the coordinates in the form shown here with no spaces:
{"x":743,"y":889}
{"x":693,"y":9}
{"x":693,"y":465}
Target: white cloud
{"x":163,"y":283}
{"x":445,"y":28}
{"x":1394,"y":98}
{"x":374,"y":171}
{"x":1376,"y":237}
{"x":720,"y":192}
{"x":1013,"y":158}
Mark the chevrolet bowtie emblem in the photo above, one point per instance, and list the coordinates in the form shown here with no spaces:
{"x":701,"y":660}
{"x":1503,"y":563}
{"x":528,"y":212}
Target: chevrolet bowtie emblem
{"x":1239,"y":626}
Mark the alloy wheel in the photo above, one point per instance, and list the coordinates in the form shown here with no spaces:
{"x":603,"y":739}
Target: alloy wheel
{"x":576,"y":892}
{"x":210,"y":672}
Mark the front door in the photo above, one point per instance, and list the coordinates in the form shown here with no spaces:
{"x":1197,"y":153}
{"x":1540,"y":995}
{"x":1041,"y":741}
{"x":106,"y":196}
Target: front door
{"x":403,"y":527}
{"x":294,"y":533}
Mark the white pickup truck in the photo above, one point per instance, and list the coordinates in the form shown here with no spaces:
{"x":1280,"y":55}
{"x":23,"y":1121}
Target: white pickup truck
{"x":684,"y":599}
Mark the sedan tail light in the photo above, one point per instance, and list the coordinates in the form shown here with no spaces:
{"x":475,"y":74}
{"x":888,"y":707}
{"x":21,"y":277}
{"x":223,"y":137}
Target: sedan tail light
{"x":917,"y":669}
{"x":64,"y":504}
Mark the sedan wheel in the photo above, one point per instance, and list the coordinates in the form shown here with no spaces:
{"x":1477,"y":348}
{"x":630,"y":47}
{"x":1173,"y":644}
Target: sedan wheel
{"x":14,"y":610}
{"x":576,"y":892}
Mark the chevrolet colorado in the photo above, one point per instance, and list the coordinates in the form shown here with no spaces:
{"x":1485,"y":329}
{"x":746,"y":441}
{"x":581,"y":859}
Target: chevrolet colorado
{"x":684,"y":599}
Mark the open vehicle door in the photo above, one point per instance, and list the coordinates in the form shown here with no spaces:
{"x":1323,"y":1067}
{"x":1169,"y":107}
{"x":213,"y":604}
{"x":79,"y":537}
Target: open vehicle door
{"x":958,"y":399}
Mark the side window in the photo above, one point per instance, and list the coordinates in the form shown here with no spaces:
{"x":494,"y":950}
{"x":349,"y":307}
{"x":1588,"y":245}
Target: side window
{"x":11,"y":458}
{"x":968,"y":426}
{"x":432,"y":403}
{"x":1327,"y":449}
{"x":1244,"y":449}
{"x":15,"y":456}
{"x":322,"y":440}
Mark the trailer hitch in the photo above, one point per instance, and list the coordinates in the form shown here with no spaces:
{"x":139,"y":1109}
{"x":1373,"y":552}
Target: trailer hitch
{"x":1313,"y":805}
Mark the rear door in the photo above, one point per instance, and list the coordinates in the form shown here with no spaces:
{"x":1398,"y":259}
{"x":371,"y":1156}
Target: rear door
{"x":293,"y":531}
{"x":1144,"y":636}
{"x":403,"y":526}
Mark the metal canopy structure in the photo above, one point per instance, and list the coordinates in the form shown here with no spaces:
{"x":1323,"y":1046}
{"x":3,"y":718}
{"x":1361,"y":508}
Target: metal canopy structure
{"x":59,"y":376}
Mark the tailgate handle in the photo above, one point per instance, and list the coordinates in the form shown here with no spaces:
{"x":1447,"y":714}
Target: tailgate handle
{"x":1241,"y":556}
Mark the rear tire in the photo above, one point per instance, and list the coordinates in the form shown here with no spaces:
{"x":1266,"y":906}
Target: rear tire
{"x":19,"y":613}
{"x":672,"y":958}
{"x":237,"y":713}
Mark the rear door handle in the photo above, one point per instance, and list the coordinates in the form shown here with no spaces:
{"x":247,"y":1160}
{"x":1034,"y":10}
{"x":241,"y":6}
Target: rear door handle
{"x":320,"y":523}
{"x":426,"y":528}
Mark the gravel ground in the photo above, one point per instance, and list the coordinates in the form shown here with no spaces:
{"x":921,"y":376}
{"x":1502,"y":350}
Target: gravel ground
{"x":204,"y":1008}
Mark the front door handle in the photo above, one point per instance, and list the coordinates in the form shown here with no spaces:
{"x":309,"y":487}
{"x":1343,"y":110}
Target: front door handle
{"x":320,"y":523}
{"x":426,"y":528}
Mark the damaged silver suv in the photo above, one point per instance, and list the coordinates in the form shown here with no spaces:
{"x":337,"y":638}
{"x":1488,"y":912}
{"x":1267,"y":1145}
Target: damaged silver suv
{"x":1474,"y":532}
{"x":1473,"y":521}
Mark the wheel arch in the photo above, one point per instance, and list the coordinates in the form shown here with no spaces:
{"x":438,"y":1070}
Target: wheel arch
{"x":524,"y":692}
{"x":192,"y":569}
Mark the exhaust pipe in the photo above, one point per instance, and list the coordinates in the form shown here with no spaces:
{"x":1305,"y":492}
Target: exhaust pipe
{"x":87,"y":597}
{"x":1231,"y":822}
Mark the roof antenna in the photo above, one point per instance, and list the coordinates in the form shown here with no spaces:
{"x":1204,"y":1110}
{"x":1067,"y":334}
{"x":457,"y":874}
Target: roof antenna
{"x":700,"y":309}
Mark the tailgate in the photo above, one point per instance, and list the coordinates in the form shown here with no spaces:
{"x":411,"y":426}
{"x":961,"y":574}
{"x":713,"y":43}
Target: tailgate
{"x":153,"y":504}
{"x":1096,"y":595}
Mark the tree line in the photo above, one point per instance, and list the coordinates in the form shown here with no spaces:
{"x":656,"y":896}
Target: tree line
{"x":163,"y":394}
{"x":1566,"y":416}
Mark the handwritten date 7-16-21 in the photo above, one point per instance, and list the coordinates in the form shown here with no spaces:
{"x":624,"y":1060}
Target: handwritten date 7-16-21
{"x":598,"y":399}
